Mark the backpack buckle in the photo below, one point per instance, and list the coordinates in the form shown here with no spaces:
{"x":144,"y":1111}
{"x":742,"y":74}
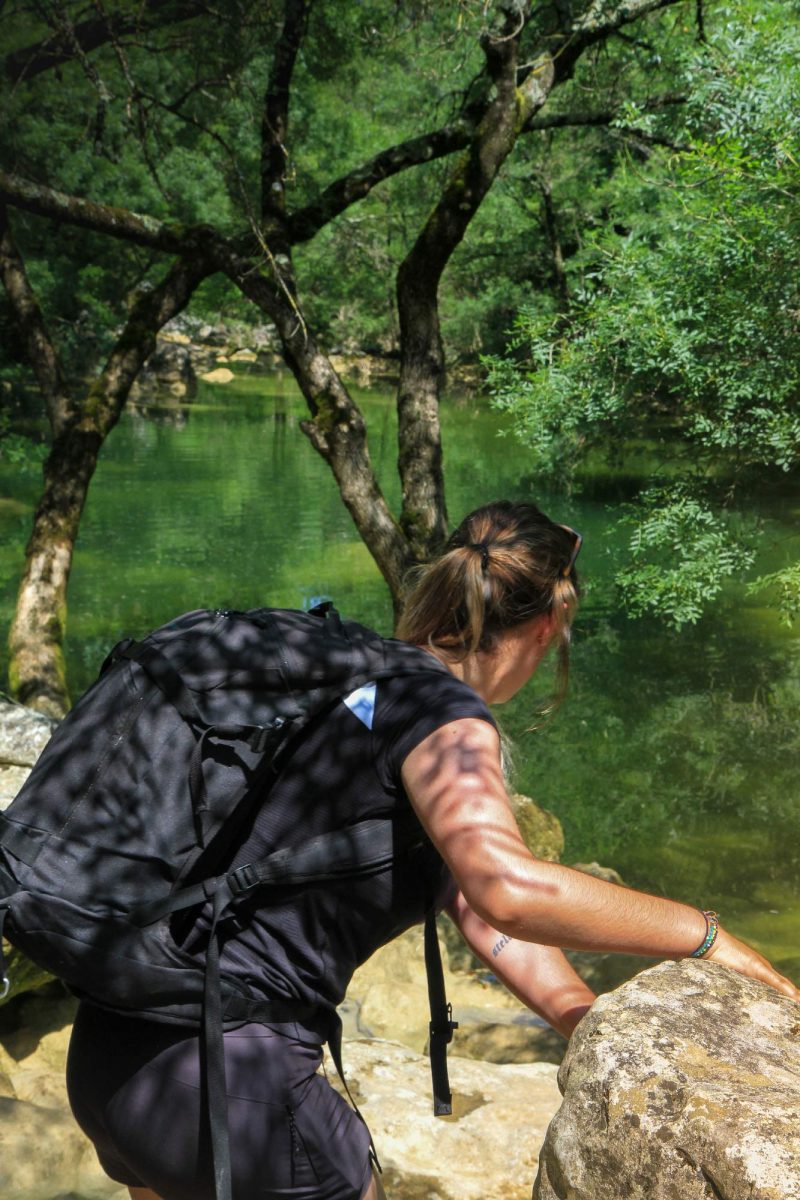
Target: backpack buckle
{"x":445,"y":1029}
{"x":242,"y":880}
{"x":261,"y":738}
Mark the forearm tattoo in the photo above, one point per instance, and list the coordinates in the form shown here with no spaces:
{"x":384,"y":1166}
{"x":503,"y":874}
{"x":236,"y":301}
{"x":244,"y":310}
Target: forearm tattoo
{"x":501,"y":945}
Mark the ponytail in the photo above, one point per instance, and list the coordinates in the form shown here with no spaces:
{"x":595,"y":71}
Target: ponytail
{"x":505,"y":564}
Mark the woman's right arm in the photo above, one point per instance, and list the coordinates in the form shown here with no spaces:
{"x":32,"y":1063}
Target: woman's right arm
{"x":454,"y":781}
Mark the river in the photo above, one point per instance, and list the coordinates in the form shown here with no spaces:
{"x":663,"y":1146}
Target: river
{"x":675,"y":756}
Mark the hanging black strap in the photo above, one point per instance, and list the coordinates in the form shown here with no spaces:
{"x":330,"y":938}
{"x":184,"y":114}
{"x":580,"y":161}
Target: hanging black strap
{"x":442,"y":1024}
{"x":5,"y":983}
{"x":214,"y":1065}
{"x":335,"y":1047}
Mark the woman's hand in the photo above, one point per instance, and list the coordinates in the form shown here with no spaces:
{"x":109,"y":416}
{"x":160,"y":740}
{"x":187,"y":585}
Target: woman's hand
{"x":728,"y":951}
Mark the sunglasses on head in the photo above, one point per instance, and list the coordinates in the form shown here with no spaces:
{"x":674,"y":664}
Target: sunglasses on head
{"x":578,"y":542}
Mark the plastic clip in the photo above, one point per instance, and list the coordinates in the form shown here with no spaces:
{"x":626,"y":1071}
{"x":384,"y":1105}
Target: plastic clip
{"x":242,"y":880}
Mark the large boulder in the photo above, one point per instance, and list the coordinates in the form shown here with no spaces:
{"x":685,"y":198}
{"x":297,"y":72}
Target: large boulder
{"x":541,"y":830}
{"x":684,"y":1084}
{"x":486,"y":1151}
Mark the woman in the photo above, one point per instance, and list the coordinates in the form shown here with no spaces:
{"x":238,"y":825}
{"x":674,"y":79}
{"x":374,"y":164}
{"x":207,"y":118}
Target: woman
{"x":422,"y":749}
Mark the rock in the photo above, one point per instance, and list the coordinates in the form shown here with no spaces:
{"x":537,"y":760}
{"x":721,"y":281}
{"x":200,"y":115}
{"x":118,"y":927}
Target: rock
{"x":212,"y":335}
{"x":24,"y":733}
{"x":604,"y":972}
{"x":218,"y":375}
{"x":43,"y":1153}
{"x":388,"y":997}
{"x":244,"y":356}
{"x":684,"y":1084}
{"x":606,"y":873}
{"x":508,"y":1042}
{"x":541,"y":830}
{"x":486,"y":1151}
{"x":168,"y":369}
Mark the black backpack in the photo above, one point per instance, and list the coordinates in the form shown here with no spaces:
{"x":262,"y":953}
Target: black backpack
{"x":143,"y":793}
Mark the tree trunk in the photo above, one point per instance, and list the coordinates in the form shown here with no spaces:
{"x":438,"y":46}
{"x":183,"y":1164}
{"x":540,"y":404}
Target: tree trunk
{"x":36,"y":669}
{"x":36,"y":666}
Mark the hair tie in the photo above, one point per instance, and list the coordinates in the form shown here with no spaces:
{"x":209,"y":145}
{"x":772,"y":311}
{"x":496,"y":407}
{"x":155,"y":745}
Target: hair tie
{"x":483,"y":547}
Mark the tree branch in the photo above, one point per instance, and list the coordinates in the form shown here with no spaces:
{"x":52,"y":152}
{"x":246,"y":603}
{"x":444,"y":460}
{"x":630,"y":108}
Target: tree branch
{"x":118,"y":222}
{"x":354,"y":186}
{"x":275,"y":121}
{"x":439,"y":143}
{"x":39,"y":348}
{"x":424,"y":515}
{"x":601,"y":19}
{"x":150,"y":312}
{"x":93,"y":33}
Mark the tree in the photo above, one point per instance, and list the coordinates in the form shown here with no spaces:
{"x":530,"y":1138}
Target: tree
{"x":685,"y":321}
{"x":153,"y":133}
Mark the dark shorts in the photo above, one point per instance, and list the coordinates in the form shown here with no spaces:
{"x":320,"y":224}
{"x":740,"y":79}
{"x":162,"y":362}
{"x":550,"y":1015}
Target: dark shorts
{"x":135,"y":1089}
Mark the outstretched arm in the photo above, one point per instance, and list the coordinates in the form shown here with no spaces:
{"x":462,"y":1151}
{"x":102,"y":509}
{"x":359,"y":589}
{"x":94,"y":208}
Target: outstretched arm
{"x":539,"y":976}
{"x":455,"y":783}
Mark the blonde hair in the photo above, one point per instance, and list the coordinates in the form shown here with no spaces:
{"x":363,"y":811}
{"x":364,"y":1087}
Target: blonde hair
{"x":505,"y":564}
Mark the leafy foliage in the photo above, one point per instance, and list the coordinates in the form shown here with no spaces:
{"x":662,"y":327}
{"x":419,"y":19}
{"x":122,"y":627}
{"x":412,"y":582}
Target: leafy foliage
{"x":685,"y":318}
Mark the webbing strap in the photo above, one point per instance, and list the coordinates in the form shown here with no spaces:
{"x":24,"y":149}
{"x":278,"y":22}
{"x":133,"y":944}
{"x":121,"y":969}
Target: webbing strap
{"x":5,"y":983}
{"x":335,"y":1047}
{"x":214,"y":1064}
{"x":442,"y":1024}
{"x":355,"y":852}
{"x":164,"y":675}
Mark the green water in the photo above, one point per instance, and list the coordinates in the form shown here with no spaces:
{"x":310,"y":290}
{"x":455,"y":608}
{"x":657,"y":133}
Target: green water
{"x":675,"y":757}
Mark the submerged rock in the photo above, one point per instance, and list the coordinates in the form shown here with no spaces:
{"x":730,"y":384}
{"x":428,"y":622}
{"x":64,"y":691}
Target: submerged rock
{"x":684,"y":1084}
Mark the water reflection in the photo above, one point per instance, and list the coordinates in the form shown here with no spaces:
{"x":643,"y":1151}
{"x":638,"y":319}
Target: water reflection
{"x":675,"y":758}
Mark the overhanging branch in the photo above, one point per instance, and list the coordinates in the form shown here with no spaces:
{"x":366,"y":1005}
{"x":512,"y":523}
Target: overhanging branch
{"x":139,"y":228}
{"x":95,"y":32}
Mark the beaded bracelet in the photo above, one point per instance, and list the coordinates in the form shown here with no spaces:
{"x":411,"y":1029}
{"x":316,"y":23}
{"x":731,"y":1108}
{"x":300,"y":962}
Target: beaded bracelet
{"x":712,"y":929}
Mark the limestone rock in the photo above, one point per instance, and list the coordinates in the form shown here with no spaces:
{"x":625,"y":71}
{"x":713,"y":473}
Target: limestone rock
{"x":43,"y":1153}
{"x":486,"y":1151}
{"x":219,"y":375}
{"x":684,"y":1084}
{"x":514,"y":1041}
{"x":541,"y":830}
{"x":168,"y":369}
{"x":24,"y":733}
{"x":388,"y":995}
